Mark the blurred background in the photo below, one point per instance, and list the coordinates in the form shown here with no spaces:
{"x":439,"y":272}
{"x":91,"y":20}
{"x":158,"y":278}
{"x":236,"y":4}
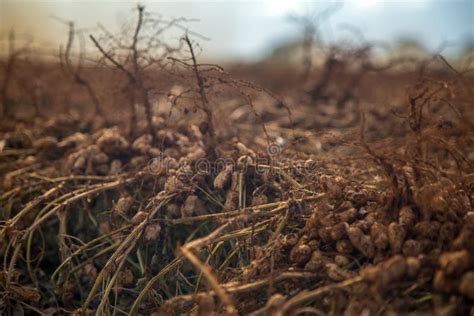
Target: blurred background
{"x":250,"y":31}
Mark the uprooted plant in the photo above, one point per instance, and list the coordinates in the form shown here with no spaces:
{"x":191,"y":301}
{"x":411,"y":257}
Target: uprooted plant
{"x":137,"y":54}
{"x":183,"y":214}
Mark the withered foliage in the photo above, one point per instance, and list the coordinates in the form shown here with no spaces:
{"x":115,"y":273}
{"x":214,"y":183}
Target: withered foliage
{"x":198,"y":192}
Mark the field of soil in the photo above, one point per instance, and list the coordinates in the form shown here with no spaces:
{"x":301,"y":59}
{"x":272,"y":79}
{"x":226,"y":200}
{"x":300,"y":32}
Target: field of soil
{"x":140,"y":181}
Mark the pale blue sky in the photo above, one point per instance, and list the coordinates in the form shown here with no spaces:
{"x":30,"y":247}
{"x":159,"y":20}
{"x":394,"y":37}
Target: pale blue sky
{"x":248,"y":29}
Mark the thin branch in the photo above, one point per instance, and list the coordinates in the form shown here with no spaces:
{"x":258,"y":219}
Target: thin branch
{"x":202,"y":92}
{"x":112,"y":60}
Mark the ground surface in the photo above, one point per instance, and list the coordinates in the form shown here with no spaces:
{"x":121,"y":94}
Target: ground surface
{"x":191,"y":191}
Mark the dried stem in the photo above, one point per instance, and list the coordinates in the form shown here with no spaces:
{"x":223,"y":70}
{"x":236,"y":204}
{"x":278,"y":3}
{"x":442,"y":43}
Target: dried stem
{"x":212,"y":280}
{"x":8,"y":73}
{"x":202,"y":92}
{"x":75,"y":73}
{"x":134,"y":78}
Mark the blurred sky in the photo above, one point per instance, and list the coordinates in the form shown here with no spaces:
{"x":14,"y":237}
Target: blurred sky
{"x":247,"y":30}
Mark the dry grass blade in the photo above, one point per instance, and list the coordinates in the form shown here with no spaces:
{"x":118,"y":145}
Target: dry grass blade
{"x":211,"y":279}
